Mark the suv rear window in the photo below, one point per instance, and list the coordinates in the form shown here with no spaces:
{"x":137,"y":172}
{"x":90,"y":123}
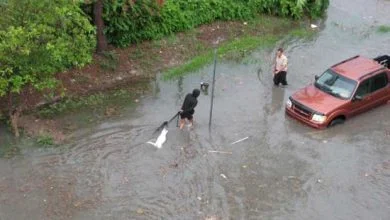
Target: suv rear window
{"x":378,"y":82}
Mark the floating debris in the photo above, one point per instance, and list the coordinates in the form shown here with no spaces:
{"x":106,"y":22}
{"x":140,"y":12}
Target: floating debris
{"x":313,"y":26}
{"x":223,"y":176}
{"x":243,"y":139}
{"x":220,"y":152}
{"x":160,"y":139}
{"x":211,"y":218}
{"x":140,"y":211}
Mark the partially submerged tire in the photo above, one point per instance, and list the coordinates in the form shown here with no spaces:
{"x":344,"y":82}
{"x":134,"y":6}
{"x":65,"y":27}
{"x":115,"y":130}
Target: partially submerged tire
{"x":336,"y":121}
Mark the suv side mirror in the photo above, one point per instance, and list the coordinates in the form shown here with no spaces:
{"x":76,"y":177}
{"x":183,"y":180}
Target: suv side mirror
{"x":316,"y":77}
{"x":357,"y":98}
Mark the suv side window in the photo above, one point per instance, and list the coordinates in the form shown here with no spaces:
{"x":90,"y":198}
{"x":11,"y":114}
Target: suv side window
{"x":378,"y":82}
{"x":364,"y":88}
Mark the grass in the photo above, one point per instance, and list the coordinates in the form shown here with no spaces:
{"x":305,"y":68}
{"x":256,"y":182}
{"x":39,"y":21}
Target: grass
{"x":95,"y":100}
{"x":9,"y":150}
{"x":302,"y":33}
{"x":45,"y":140}
{"x":384,"y":29}
{"x":234,"y":50}
{"x":110,"y":61}
{"x":137,"y":54}
{"x":242,"y":38}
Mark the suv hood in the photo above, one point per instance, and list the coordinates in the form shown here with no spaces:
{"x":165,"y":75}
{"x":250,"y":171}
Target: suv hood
{"x":317,"y":100}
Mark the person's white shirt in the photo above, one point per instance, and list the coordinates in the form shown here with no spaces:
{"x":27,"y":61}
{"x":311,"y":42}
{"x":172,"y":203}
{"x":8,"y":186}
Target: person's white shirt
{"x":281,"y":63}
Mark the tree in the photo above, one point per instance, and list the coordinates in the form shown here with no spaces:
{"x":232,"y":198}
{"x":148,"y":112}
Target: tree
{"x":97,"y":13}
{"x":99,"y":22}
{"x":38,"y":39}
{"x":95,"y":8}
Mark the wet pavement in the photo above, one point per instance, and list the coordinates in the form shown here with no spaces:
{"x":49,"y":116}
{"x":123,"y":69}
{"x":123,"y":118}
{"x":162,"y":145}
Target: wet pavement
{"x":283,"y":170}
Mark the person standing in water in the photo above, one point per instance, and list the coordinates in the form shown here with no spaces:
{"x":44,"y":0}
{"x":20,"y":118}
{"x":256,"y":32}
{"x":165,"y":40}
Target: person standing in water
{"x":280,"y":70}
{"x":188,"y":108}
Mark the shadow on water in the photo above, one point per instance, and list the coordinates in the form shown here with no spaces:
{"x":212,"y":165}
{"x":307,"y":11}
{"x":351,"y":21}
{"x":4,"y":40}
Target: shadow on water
{"x":280,"y":170}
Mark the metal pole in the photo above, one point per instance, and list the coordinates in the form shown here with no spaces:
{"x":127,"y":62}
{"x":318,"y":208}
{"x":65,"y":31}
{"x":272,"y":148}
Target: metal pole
{"x":212,"y":89}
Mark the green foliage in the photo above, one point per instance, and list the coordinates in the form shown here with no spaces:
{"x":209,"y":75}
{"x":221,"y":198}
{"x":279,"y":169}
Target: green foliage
{"x":384,"y":29}
{"x":45,"y":140}
{"x":39,"y":38}
{"x":291,"y":8}
{"x":133,"y":21}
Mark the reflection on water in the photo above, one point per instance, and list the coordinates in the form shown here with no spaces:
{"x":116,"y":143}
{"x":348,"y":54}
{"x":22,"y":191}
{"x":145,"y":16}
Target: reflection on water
{"x":277,"y":102}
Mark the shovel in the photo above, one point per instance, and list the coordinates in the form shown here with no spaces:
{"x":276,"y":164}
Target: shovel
{"x":165,"y":123}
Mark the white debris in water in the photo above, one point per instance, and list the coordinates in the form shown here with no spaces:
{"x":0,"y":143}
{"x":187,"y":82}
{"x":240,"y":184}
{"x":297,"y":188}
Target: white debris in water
{"x":199,"y":198}
{"x":211,"y":218}
{"x":242,"y":139}
{"x":319,"y":181}
{"x":161,"y":139}
{"x":223,"y":176}
{"x":324,"y":141}
{"x":313,"y":26}
{"x":222,"y":152}
{"x":140,"y":211}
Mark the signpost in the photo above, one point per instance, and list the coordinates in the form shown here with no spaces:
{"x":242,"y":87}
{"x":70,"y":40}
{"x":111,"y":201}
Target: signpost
{"x":212,"y":89}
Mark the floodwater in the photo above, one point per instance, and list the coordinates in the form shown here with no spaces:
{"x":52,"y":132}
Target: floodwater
{"x":283,"y":170}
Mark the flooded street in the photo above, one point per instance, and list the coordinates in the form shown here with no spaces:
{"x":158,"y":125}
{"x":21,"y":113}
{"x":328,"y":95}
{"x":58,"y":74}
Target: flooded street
{"x":283,"y":170}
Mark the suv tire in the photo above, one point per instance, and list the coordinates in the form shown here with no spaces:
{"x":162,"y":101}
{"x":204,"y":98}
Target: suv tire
{"x":336,"y":121}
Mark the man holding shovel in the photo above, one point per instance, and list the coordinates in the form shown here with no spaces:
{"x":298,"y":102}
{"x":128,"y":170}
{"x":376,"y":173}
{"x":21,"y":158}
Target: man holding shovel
{"x":187,"y":110}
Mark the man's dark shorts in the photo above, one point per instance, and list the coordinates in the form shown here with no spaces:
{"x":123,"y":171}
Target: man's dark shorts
{"x":188,"y":115}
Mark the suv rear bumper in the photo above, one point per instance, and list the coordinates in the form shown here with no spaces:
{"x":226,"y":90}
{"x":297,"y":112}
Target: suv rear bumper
{"x":290,"y":112}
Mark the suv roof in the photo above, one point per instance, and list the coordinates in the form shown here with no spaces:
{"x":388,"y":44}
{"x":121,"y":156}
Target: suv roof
{"x":356,"y":67}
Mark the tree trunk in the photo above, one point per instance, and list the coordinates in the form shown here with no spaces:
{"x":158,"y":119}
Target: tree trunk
{"x":160,"y":2}
{"x":99,"y":22}
{"x":14,"y":121}
{"x":14,"y":115}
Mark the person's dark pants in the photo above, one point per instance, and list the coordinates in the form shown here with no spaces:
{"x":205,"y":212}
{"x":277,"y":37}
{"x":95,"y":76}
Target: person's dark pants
{"x":280,"y":77}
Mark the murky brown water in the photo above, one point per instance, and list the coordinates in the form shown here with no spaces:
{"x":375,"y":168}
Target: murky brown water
{"x":284,"y":170}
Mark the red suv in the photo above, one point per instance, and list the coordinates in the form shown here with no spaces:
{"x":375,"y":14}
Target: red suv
{"x":346,"y":89}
